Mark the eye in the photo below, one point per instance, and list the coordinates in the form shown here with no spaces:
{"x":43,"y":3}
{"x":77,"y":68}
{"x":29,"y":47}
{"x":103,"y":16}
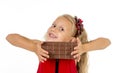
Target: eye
{"x":61,"y":29}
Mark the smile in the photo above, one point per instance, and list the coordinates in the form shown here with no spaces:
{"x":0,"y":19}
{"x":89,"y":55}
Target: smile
{"x":51,"y":35}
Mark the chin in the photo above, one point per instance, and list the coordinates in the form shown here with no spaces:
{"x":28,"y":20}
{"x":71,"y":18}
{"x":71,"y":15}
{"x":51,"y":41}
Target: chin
{"x":53,"y":40}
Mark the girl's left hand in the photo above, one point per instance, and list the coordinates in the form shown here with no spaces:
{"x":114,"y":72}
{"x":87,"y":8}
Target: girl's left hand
{"x":78,"y":50}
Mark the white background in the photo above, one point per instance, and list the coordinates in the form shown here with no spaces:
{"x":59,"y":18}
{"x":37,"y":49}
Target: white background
{"x":32,"y":18}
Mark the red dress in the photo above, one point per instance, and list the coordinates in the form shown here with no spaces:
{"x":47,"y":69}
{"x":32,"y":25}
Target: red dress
{"x":65,"y":66}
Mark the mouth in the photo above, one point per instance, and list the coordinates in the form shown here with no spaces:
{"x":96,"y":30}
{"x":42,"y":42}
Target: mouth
{"x":52,"y":35}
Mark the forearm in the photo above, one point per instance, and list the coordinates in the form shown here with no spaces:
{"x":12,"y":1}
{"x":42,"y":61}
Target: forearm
{"x":98,"y":44}
{"x":21,"y":41}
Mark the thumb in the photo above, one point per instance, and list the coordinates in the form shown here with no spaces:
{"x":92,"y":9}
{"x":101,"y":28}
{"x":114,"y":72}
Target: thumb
{"x":39,"y":44}
{"x":78,"y":41}
{"x":73,"y":40}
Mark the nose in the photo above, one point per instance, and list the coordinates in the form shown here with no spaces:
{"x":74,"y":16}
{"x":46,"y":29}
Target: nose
{"x":54,"y":29}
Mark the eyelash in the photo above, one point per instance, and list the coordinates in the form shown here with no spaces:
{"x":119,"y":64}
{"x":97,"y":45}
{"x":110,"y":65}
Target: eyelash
{"x":61,"y":29}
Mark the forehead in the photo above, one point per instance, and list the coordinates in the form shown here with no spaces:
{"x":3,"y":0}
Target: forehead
{"x":62,"y":21}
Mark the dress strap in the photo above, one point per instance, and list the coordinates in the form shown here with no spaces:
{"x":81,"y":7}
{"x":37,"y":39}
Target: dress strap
{"x":57,"y":65}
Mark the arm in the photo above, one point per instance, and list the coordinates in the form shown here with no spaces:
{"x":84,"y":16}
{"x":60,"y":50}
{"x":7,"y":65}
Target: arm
{"x":28,"y":44}
{"x":21,"y":41}
{"x":97,"y":44}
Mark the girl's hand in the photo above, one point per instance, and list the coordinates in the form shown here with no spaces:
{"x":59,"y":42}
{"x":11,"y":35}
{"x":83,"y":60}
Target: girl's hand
{"x":78,"y":50}
{"x":41,"y":53}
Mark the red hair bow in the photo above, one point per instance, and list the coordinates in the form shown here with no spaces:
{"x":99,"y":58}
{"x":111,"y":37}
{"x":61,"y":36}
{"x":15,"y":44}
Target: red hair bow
{"x":79,"y":26}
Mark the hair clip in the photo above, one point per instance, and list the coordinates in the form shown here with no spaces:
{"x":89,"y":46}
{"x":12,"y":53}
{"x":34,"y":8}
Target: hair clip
{"x":79,"y":25}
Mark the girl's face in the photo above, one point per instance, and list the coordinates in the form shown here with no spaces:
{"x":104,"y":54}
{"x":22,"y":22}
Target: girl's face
{"x":60,"y":31}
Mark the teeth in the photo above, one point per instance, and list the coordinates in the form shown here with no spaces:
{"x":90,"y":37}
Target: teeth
{"x":52,"y":35}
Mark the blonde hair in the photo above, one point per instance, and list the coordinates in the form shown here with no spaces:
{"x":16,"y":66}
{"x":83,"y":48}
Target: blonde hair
{"x":82,"y":64}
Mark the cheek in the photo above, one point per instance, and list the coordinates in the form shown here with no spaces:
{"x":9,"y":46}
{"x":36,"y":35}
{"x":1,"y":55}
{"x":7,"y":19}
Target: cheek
{"x":64,"y":37}
{"x":48,"y":30}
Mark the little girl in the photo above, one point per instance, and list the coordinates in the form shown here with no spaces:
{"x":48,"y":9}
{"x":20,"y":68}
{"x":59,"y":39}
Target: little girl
{"x":64,"y":29}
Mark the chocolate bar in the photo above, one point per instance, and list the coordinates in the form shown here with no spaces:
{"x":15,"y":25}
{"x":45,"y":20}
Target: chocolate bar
{"x":59,"y":50}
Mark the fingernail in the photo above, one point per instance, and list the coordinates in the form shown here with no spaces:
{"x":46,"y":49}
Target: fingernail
{"x":42,"y":61}
{"x":45,"y":59}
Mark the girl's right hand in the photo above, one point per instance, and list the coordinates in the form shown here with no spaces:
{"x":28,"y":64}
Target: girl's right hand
{"x":41,"y":53}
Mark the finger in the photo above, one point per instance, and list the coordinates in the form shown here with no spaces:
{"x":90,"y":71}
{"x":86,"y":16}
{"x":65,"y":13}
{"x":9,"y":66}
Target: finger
{"x":45,"y":55}
{"x":75,"y":60}
{"x":39,"y":57}
{"x":44,"y":51}
{"x":78,"y":59}
{"x":76,"y":48}
{"x":74,"y":52}
{"x":42,"y":59}
{"x":77,"y":55}
{"x":41,"y":50}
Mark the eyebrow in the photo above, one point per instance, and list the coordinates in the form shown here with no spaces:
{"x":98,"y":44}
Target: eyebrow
{"x":62,"y":27}
{"x":53,"y":24}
